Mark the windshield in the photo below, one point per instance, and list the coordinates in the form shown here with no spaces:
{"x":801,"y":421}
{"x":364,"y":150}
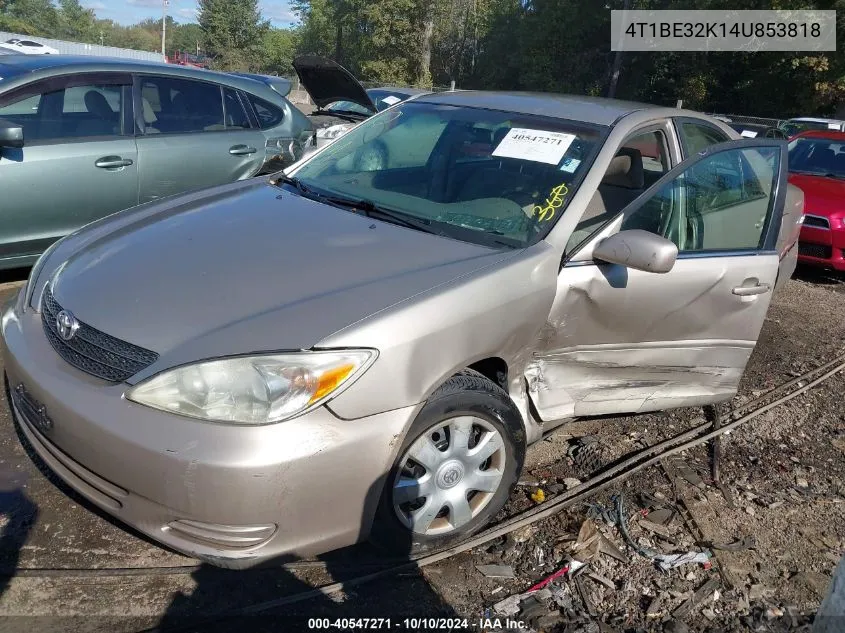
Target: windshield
{"x":386,"y":98}
{"x":817,"y":156}
{"x":468,"y":169}
{"x":791,"y":128}
{"x":348,"y":106}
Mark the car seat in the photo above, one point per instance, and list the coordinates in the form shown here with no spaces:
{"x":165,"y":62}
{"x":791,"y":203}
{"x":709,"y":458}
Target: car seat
{"x":103,"y":121}
{"x":622,"y":183}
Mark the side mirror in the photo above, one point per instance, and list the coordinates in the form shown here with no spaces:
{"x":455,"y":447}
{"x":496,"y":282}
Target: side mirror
{"x":639,"y":250}
{"x":11,"y":134}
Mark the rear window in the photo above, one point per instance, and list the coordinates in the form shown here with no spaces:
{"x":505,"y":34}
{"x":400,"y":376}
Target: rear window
{"x":268,"y":114}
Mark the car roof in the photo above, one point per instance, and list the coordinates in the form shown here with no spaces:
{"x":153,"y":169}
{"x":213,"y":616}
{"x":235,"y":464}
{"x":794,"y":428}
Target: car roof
{"x":18,"y":65}
{"x":810,"y":119}
{"x":400,"y":89}
{"x":830,"y":135}
{"x":596,"y":110}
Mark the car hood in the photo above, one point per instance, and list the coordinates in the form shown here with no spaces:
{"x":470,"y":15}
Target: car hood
{"x":327,"y":82}
{"x":252,"y":269}
{"x":822,"y":196}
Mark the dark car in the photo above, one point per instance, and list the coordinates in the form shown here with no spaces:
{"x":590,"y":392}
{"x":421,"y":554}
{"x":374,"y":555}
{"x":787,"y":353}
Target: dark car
{"x":342,"y":102}
{"x":757,"y":130}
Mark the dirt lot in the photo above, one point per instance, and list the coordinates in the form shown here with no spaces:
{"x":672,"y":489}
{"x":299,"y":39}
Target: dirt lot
{"x":782,"y":506}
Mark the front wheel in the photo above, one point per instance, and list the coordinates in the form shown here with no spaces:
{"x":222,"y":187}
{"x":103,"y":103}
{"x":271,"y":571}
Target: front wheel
{"x":456,"y":468}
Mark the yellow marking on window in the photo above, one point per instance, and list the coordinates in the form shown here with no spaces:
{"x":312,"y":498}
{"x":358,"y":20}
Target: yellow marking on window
{"x":554,"y":201}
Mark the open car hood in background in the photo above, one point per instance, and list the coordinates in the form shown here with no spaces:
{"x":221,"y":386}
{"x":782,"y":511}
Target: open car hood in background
{"x":327,"y":82}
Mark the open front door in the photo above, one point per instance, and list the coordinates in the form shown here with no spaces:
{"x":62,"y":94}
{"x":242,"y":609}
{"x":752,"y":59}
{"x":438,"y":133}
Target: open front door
{"x":622,"y":340}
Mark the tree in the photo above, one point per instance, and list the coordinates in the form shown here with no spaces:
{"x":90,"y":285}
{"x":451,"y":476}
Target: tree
{"x":184,"y":37}
{"x":75,"y":21}
{"x":278,"y":51}
{"x":38,"y":16}
{"x":233,"y":32}
{"x":428,"y":16}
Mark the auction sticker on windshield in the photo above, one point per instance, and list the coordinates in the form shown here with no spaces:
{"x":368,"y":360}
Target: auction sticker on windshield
{"x":391,"y":100}
{"x":536,"y":145}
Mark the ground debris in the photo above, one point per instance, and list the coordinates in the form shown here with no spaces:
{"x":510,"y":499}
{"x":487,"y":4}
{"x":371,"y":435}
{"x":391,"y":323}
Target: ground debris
{"x":496,"y":571}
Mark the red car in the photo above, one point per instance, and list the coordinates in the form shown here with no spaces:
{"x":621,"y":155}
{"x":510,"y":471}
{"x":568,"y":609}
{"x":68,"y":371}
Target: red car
{"x":817,"y":166}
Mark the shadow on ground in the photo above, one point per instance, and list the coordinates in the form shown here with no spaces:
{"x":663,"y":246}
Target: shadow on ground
{"x":13,"y":274}
{"x":821,"y":276}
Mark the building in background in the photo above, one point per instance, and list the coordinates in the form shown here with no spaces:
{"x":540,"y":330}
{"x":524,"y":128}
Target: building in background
{"x":77,"y":48}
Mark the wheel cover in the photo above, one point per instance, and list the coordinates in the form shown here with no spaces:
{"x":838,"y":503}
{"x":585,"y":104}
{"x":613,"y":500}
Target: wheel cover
{"x":449,"y":475}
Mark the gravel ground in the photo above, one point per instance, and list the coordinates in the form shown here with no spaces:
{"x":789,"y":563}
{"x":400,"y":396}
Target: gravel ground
{"x":783,"y":475}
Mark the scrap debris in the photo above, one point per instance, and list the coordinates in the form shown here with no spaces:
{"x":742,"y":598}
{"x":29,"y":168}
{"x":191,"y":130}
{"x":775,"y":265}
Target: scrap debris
{"x":588,"y":579}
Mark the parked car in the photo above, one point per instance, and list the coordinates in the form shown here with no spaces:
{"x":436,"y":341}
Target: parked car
{"x":817,"y":166}
{"x":30,"y":47}
{"x":342,"y":102}
{"x":803,"y":124}
{"x":75,"y":148}
{"x":365,"y":346}
{"x":753,"y":130}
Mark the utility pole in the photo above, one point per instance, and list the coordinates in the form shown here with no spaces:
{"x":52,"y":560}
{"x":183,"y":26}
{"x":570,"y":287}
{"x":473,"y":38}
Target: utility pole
{"x":164,"y":4}
{"x":102,"y":38}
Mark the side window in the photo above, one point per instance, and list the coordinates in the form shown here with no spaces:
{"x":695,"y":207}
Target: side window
{"x":180,"y":106}
{"x":641,"y":161}
{"x":721,"y":202}
{"x":268,"y":114}
{"x":21,"y":107}
{"x":696,"y":136}
{"x":69,"y":113}
{"x":235,"y":114}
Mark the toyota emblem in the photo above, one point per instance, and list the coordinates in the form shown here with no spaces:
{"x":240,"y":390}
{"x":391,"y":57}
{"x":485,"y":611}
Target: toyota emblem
{"x":66,"y":325}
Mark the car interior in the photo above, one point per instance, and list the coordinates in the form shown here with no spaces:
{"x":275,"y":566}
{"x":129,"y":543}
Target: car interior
{"x":74,"y":112}
{"x":185,"y":106}
{"x":460,"y":169}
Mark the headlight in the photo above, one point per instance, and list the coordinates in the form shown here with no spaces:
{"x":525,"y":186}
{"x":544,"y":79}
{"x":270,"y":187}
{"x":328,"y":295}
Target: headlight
{"x":253,"y":389}
{"x":333,"y":131}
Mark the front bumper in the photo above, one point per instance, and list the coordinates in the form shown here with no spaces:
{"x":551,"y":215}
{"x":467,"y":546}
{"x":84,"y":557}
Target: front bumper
{"x":824,"y":247}
{"x":233,"y":496}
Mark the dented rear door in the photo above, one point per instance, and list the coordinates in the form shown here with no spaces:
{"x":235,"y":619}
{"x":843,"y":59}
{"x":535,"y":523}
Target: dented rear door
{"x":620,"y":340}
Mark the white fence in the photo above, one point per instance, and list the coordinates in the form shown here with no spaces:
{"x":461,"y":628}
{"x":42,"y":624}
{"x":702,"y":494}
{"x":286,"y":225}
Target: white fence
{"x":76,"y":48}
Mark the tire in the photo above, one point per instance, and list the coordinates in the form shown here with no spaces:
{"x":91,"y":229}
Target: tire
{"x":469,"y":406}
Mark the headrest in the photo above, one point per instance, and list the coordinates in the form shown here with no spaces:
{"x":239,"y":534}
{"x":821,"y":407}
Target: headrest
{"x":97,"y":104}
{"x":149,"y":113}
{"x":625,"y":170}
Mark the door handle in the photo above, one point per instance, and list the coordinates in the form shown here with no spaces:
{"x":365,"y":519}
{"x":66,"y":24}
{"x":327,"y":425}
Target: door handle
{"x":241,"y":150}
{"x":112,"y":162}
{"x":748,"y":291}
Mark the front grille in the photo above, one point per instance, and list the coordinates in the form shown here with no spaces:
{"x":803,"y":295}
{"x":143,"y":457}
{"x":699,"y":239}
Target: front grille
{"x":817,"y":221}
{"x":815,"y":250}
{"x":92,"y":351}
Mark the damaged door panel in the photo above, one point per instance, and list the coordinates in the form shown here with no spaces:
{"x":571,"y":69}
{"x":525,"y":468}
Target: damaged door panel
{"x":622,"y":340}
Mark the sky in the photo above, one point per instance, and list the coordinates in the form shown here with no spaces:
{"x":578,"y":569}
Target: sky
{"x":133,"y":11}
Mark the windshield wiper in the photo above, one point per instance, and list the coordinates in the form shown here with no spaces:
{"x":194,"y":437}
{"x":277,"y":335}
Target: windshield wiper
{"x":294,"y":182}
{"x":349,"y":115}
{"x":372,"y":210}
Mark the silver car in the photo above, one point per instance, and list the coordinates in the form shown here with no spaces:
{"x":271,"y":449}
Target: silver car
{"x":366,"y":345}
